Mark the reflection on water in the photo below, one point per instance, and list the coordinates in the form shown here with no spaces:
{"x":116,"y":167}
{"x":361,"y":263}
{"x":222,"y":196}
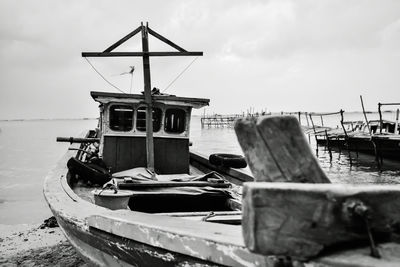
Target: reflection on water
{"x":28,"y":151}
{"x":351,"y":167}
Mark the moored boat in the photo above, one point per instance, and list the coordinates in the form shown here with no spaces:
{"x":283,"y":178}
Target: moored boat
{"x":380,"y":138}
{"x":163,"y":204}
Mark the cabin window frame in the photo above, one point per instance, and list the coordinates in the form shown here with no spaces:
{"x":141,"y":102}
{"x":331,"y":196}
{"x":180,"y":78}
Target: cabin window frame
{"x":161,"y":119}
{"x":185,"y":117}
{"x":108,"y":122}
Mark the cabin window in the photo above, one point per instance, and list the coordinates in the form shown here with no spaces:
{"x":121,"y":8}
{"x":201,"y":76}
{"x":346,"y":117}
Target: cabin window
{"x":121,"y":118}
{"x":141,"y":119}
{"x":175,"y":120}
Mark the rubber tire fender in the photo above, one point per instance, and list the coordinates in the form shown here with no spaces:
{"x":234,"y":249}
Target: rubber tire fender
{"x":228,"y":160}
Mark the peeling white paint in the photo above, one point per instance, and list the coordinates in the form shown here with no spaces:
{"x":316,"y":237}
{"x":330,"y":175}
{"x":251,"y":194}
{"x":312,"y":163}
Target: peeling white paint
{"x":230,"y":252}
{"x":166,"y":257}
{"x":191,"y":251}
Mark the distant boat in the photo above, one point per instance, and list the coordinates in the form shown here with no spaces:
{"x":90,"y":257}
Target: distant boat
{"x":379,"y":137}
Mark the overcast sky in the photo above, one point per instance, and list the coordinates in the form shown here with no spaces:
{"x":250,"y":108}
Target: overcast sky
{"x":276,"y":55}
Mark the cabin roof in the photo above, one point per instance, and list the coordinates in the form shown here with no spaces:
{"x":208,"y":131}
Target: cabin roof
{"x":106,"y":97}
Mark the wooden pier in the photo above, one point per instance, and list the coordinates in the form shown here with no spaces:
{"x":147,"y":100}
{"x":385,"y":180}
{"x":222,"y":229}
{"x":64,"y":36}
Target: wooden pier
{"x":221,"y":121}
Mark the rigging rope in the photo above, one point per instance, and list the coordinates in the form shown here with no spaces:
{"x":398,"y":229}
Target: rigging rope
{"x":180,"y":74}
{"x":103,"y":76}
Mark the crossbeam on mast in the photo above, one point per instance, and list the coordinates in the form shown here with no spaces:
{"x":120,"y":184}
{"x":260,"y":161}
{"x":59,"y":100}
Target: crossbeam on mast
{"x":139,"y":54}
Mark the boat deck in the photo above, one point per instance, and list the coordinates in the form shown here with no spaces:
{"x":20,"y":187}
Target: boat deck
{"x":191,"y":200}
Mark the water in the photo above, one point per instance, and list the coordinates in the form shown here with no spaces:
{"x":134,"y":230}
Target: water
{"x":28,"y":151}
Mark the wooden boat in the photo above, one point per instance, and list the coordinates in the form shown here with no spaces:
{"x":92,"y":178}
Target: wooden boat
{"x":187,"y":213}
{"x":164,"y":204}
{"x":167,"y":205}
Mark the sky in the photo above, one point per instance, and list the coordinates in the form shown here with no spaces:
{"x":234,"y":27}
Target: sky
{"x":284,"y":55}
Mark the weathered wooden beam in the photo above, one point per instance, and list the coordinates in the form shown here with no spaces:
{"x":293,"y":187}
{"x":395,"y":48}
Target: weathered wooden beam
{"x":300,"y":220}
{"x":141,"y":185}
{"x":123,"y":40}
{"x":257,"y":154}
{"x":139,"y":54}
{"x":165,"y":40}
{"x":277,"y":150}
{"x":148,"y":100}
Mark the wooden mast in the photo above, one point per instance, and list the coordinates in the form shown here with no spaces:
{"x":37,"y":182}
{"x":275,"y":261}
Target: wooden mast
{"x":147,"y":98}
{"x":145,"y":54}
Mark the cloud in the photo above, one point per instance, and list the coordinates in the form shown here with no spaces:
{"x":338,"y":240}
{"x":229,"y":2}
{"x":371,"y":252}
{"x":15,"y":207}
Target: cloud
{"x":284,"y":55}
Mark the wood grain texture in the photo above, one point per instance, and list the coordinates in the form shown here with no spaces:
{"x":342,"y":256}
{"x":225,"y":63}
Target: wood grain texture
{"x":277,"y":150}
{"x":257,"y":154}
{"x":300,"y":220}
{"x":125,"y":152}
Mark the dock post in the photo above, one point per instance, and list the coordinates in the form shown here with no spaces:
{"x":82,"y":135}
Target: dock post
{"x":327,"y":144}
{"x":380,"y":117}
{"x":308,"y":123}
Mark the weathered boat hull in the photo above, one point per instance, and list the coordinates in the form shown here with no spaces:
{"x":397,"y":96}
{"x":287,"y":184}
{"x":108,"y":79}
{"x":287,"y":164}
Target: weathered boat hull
{"x":129,"y":238}
{"x":388,"y":147}
{"x":381,"y":146}
{"x":118,"y":251}
{"x":332,"y":142}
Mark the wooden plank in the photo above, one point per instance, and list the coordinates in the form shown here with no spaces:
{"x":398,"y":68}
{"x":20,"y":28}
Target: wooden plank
{"x":300,"y":220}
{"x":139,"y":54}
{"x":143,"y":185}
{"x":123,"y":40}
{"x":165,"y":40}
{"x":277,"y":150}
{"x":198,"y":213}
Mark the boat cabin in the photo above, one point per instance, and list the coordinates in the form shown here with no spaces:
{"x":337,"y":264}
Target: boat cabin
{"x":122,"y":126}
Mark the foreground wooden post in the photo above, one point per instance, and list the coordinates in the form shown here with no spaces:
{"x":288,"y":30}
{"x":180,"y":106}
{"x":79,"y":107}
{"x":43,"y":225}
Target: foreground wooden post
{"x":276,"y":150}
{"x":300,"y":220}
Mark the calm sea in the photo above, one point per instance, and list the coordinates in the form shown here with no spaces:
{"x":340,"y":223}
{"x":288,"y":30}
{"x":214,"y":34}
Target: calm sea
{"x":28,"y":151}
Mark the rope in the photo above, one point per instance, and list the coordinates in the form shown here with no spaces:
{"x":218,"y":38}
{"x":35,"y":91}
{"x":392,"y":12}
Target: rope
{"x":180,"y":74}
{"x":103,"y":76}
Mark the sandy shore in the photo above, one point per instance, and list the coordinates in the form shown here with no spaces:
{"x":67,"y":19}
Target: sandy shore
{"x":36,"y":245}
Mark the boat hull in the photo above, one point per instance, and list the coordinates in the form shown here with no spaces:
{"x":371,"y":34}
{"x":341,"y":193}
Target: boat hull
{"x":118,"y":251}
{"x":127,"y":238}
{"x":382,"y":147}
